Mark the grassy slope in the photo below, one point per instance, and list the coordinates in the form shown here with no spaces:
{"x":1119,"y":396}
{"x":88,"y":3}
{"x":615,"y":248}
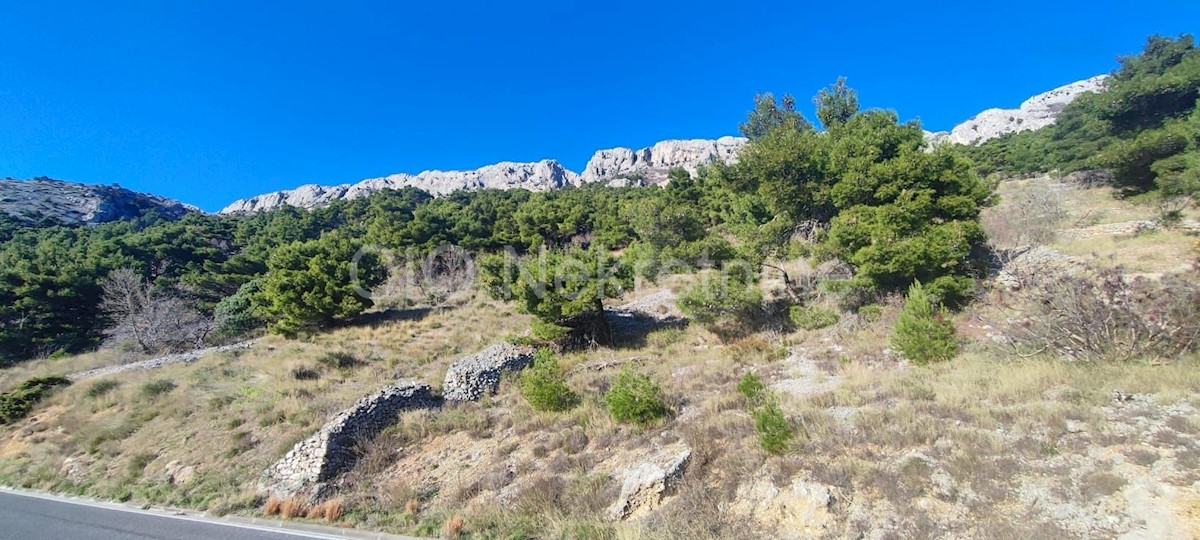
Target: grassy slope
{"x":987,"y":445}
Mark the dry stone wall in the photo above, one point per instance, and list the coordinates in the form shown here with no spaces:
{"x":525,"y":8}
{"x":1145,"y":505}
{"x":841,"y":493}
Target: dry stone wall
{"x":308,"y":467}
{"x":469,"y":378}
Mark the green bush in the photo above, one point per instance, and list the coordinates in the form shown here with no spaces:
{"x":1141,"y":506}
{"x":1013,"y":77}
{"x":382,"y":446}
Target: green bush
{"x":774,"y":430}
{"x":813,"y":318}
{"x":545,"y":387}
{"x":102,"y":388}
{"x":924,"y":333}
{"x":548,"y":332}
{"x":752,"y":387}
{"x":235,"y":315}
{"x":634,"y":398}
{"x":15,"y":404}
{"x":157,"y":388}
{"x":727,"y":308}
{"x":871,"y":312}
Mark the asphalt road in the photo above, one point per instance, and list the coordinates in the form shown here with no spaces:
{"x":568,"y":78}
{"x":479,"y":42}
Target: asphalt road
{"x":34,"y":517}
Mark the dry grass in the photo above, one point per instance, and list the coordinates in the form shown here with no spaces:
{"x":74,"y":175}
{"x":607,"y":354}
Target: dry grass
{"x":272,"y":506}
{"x":293,"y":508}
{"x":453,"y":527}
{"x":331,"y":510}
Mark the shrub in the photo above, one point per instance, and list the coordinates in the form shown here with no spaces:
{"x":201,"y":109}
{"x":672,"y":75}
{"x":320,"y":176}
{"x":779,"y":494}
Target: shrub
{"x":102,"y":388}
{"x":774,"y":430}
{"x":338,"y":360}
{"x":157,"y":388}
{"x":1112,"y":316}
{"x":752,"y":387}
{"x":235,"y":315}
{"x":813,"y":318}
{"x":15,"y":404}
{"x":545,"y":387}
{"x":924,"y":334}
{"x":871,"y":312}
{"x":305,"y":373}
{"x":727,"y":308}
{"x":634,"y":398}
{"x":547,"y":332}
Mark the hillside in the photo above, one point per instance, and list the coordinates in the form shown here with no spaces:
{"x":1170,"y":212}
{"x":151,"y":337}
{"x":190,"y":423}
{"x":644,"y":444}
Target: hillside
{"x":43,"y":200}
{"x":832,"y":328}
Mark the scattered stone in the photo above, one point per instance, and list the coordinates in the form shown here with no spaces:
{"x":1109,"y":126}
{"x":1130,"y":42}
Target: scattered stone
{"x":178,"y":473}
{"x":469,"y":378}
{"x":181,"y":358}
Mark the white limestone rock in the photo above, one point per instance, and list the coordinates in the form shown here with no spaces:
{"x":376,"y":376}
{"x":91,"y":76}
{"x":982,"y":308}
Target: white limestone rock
{"x":1036,"y":112}
{"x":625,"y":166}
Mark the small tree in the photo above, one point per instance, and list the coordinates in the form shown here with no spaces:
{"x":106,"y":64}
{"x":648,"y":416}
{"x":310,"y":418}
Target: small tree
{"x":924,"y":333}
{"x":725,"y":306}
{"x":634,"y":398}
{"x":563,"y":288}
{"x":545,"y":387}
{"x":316,"y":283}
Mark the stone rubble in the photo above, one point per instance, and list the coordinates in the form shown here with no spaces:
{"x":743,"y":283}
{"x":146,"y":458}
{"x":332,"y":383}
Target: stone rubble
{"x":470,"y":378}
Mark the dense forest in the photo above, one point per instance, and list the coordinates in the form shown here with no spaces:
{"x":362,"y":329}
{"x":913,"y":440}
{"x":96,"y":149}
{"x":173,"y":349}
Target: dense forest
{"x":859,"y":186}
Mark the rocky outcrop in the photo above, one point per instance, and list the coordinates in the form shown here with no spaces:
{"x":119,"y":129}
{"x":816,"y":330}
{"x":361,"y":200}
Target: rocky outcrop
{"x":43,"y":200}
{"x":469,"y":378}
{"x":625,"y":166}
{"x":617,"y":166}
{"x":800,"y":509}
{"x":1036,"y":112}
{"x":644,"y":485}
{"x":308,"y":467}
{"x":540,"y":176}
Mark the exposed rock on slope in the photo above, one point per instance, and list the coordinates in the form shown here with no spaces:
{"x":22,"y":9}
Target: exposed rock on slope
{"x":540,"y":176}
{"x":617,"y":166}
{"x":1036,"y":112}
{"x":43,"y":200}
{"x":623,"y":166}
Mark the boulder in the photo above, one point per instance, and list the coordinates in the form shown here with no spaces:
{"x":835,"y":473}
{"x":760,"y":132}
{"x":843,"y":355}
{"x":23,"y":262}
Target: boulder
{"x":645,"y":484}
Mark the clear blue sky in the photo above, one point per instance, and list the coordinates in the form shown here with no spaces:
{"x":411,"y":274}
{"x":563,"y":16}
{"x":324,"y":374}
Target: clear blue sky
{"x":208,"y":101}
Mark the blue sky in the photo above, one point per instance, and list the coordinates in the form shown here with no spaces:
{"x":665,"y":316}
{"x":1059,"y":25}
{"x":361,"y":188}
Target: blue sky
{"x":210,"y":101}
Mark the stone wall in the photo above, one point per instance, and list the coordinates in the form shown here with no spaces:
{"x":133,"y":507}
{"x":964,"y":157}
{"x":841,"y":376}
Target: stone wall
{"x":308,"y":466}
{"x":469,"y":378}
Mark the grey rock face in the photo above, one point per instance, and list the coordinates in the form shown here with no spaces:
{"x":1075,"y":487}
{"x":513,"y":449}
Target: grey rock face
{"x":625,"y":166}
{"x":305,"y":470}
{"x":1036,"y":112}
{"x":540,"y":176}
{"x":617,"y":166}
{"x":68,"y":203}
{"x":469,"y":378}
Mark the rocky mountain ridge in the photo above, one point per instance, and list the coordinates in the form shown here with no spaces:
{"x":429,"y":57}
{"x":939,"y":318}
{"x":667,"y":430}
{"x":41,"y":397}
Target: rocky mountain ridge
{"x":1034,"y":113}
{"x":43,"y":200}
{"x":615,"y":166}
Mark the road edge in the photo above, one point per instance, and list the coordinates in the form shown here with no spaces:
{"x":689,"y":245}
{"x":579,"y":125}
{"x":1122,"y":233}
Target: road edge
{"x":298,"y":529}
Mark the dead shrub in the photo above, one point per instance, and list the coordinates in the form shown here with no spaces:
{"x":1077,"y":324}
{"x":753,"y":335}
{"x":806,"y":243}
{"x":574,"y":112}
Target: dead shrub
{"x":293,"y":507}
{"x":453,"y":527}
{"x":272,"y":506}
{"x":331,"y":510}
{"x":1111,"y":316}
{"x":1028,"y":217}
